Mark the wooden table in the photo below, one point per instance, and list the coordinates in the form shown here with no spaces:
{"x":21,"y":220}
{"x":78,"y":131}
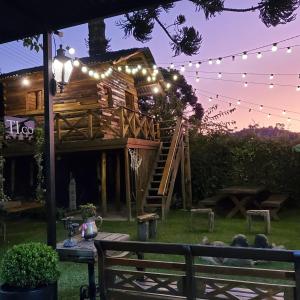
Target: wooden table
{"x":240,"y":196}
{"x":85,"y":252}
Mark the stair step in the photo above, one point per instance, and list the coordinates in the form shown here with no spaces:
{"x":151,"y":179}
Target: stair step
{"x":153,"y":189}
{"x":166,"y":128}
{"x":155,"y":182}
{"x":153,"y":197}
{"x":162,"y":161}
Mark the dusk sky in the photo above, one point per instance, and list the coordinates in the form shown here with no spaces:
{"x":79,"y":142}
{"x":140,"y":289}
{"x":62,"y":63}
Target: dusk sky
{"x":225,"y":34}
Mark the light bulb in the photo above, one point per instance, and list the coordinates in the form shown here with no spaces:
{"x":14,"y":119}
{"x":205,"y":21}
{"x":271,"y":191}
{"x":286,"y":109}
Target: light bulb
{"x":238,"y":102}
{"x":119,"y":68}
{"x":182,"y":69}
{"x":172,"y":66}
{"x":271,"y":85}
{"x":153,"y":78}
{"x":25,"y":82}
{"x":84,"y":69}
{"x":154,"y":67}
{"x":71,"y":51}
{"x":244,"y":75}
{"x":289,"y":50}
{"x":139,"y":67}
{"x":197,"y":79}
{"x":175,"y":77}
{"x":96,"y":75}
{"x":210,"y":99}
{"x":274,"y":47}
{"x":298,"y":88}
{"x":245,"y":84}
{"x":284,"y":112}
{"x":149,"y":78}
{"x":156,"y":90}
{"x":261,"y":107}
{"x":76,"y":63}
{"x":102,"y":76}
{"x":129,"y":71}
{"x":289,"y":119}
{"x":244,"y":56}
{"x":271,"y":76}
{"x":198,"y":65}
{"x":259,"y":55}
{"x":220,"y":75}
{"x":91,"y":72}
{"x":144,"y":71}
{"x":210,"y":62}
{"x":168,"y":85}
{"x":190,"y":64}
{"x":218,"y":61}
{"x":269,"y":116}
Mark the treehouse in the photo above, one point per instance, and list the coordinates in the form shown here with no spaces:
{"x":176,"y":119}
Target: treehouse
{"x":120,"y":159}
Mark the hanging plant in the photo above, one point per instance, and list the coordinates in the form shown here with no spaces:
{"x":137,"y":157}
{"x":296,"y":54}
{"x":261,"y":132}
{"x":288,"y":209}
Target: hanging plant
{"x":38,"y":156}
{"x":3,"y":196}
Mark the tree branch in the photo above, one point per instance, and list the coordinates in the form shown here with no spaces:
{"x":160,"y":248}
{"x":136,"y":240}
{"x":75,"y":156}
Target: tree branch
{"x":253,"y":8}
{"x":165,"y":30}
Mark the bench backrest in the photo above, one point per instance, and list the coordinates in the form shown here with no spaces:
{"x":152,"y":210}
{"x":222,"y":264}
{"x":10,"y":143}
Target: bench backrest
{"x":184,"y":278}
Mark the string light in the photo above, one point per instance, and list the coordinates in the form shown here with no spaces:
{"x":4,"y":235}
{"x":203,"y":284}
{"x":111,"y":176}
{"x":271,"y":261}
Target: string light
{"x":271,"y":77}
{"x":198,"y":65}
{"x":284,"y":112}
{"x":244,"y":75}
{"x":269,"y":116}
{"x":175,"y":77}
{"x":84,"y":69}
{"x":298,"y":88}
{"x":210,"y":99}
{"x":244,"y":56}
{"x":144,"y":71}
{"x":155,"y":89}
{"x":25,"y":82}
{"x":96,"y":75}
{"x":119,"y":68}
{"x":149,"y":78}
{"x":172,"y":66}
{"x":76,"y":63}
{"x":289,"y":119}
{"x":218,"y":61}
{"x":245,"y":84}
{"x":182,"y":69}
{"x":190,"y":64}
{"x":261,"y":107}
{"x":210,"y":62}
{"x":220,"y":75}
{"x":91,"y":72}
{"x":271,"y":85}
{"x":197,"y":79}
{"x":289,"y":50}
{"x":71,"y":51}
{"x":154,"y":67}
{"x":259,"y":55}
{"x":168,"y":85}
{"x":238,"y":102}
{"x":274,"y":47}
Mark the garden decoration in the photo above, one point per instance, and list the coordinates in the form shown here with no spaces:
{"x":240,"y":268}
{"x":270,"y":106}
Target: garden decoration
{"x":135,"y":161}
{"x":71,"y":227}
{"x":29,"y":272}
{"x":89,"y":228}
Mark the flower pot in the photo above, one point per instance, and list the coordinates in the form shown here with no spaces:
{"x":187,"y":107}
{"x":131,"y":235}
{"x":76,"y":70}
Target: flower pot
{"x":48,"y":292}
{"x":89,"y":228}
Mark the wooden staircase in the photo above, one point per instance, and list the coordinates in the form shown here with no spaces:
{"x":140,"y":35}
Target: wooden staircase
{"x":173,"y":151}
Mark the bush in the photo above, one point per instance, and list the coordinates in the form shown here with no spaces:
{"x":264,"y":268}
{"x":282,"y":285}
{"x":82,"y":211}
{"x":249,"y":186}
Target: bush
{"x":29,"y":265}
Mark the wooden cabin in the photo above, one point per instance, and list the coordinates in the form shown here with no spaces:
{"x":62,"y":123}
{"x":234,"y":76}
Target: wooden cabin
{"x":97,"y":121}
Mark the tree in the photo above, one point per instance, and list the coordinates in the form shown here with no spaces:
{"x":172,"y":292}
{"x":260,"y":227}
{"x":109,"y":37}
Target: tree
{"x":187,"y":40}
{"x":173,"y":102}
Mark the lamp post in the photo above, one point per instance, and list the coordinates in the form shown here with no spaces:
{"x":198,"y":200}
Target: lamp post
{"x":62,"y":68}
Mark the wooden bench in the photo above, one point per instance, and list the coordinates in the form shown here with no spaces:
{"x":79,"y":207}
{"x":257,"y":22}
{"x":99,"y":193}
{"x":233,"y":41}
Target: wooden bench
{"x":274,"y":203}
{"x":203,"y":211}
{"x":135,"y":279}
{"x":211,"y":201}
{"x":264,"y":213}
{"x":147,"y":226}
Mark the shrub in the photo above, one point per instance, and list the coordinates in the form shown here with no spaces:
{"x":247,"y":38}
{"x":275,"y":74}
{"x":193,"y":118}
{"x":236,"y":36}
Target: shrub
{"x":29,"y":265}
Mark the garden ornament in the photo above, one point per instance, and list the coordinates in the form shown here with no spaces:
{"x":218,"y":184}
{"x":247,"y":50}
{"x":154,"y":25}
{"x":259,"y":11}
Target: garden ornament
{"x":71,"y":227}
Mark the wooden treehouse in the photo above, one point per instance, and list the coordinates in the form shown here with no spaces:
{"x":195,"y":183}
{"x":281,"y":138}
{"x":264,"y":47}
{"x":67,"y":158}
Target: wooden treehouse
{"x":96,"y":122}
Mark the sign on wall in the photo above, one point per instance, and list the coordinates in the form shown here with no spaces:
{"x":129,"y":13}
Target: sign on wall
{"x":19,"y":128}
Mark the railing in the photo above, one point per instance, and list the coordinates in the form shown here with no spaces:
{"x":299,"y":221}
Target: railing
{"x":102,"y":123}
{"x":148,"y":279}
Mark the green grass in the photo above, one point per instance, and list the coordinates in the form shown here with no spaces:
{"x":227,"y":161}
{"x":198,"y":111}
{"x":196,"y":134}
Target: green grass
{"x":175,"y":229}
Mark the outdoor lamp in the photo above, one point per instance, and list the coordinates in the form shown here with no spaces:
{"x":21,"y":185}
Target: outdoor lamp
{"x":62,"y":68}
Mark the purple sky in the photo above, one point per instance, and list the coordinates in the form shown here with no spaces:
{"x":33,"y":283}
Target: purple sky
{"x":225,"y":34}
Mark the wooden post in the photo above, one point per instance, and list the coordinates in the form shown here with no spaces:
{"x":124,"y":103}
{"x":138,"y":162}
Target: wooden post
{"x":49,"y":141}
{"x":187,"y":172}
{"x":12,"y":176}
{"x":183,"y":192}
{"x":118,"y":182}
{"x":127,"y":183}
{"x":103,"y":184}
{"x":297,"y":274}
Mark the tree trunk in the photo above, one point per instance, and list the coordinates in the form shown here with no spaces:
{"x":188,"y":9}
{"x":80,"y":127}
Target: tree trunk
{"x":98,"y":44}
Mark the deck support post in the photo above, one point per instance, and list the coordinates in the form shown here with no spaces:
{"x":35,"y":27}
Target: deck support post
{"x":103,"y":184}
{"x":118,"y":182}
{"x":49,"y":141}
{"x":127,"y":183}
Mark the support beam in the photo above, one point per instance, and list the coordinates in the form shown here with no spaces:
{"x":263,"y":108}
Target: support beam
{"x":183,"y":192}
{"x":49,"y":141}
{"x":127,"y":183}
{"x":187,"y":172}
{"x":103,"y":184}
{"x":118,"y":182}
{"x":12,"y":176}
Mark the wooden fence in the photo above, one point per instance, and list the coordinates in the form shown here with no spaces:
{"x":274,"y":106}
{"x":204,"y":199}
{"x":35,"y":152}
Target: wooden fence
{"x":190,"y":280}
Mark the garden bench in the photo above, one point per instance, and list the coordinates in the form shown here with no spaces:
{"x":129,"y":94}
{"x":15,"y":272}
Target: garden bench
{"x":135,"y":279}
{"x":265,"y":214}
{"x":274,"y":204}
{"x":211,"y":201}
{"x":147,"y":226}
{"x":203,"y":211}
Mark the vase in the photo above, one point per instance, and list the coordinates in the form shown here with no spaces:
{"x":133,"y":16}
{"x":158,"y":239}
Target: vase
{"x":89,"y":228}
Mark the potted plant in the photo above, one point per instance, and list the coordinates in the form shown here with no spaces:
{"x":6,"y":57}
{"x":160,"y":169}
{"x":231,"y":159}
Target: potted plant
{"x":89,"y":228}
{"x":29,"y":272}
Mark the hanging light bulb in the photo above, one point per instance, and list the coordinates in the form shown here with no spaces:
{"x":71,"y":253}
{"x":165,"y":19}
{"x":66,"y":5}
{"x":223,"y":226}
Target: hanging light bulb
{"x":84,"y":69}
{"x":271,"y":76}
{"x":210,"y":99}
{"x":288,"y":50}
{"x":172,"y":66}
{"x":96,"y":75}
{"x":269,"y":116}
{"x":102,"y":75}
{"x":298,"y":88}
{"x":198,"y":65}
{"x":128,"y":71}
{"x":119,"y":68}
{"x":76,"y":63}
{"x":244,"y":75}
{"x":289,"y":119}
{"x":155,"y":90}
{"x":182,"y":69}
{"x":71,"y":51}
{"x":261,"y":107}
{"x":218,"y":61}
{"x":25,"y":82}
{"x":284,"y":112}
{"x":190,"y":64}
{"x":233,"y":58}
{"x":210,"y":62}
{"x":245,"y":84}
{"x":197,"y":79}
{"x":245,"y":55}
{"x":271,"y":85}
{"x":149,"y":78}
{"x":153,"y":78}
{"x":144,"y":71}
{"x":139,"y":67}
{"x":250,"y":109}
{"x":220,"y":75}
{"x":274,"y":47}
{"x":168,"y":85}
{"x":259,"y":55}
{"x":238,"y":102}
{"x":175,"y":77}
{"x":154,"y":67}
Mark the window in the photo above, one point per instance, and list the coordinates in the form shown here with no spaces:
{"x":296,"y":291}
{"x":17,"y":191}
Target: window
{"x":34,"y":100}
{"x":129,"y":100}
{"x":108,"y":96}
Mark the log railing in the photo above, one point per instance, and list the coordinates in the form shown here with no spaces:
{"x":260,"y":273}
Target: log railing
{"x":103,"y":123}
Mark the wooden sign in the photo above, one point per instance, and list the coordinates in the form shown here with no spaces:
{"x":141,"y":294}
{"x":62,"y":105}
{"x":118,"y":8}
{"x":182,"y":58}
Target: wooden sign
{"x":19,"y":128}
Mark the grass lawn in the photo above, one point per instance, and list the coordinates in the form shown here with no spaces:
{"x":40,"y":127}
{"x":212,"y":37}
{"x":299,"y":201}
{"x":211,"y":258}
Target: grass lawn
{"x":174,"y":229}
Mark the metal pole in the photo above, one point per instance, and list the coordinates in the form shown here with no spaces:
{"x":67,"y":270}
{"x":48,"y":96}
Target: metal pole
{"x":49,"y":141}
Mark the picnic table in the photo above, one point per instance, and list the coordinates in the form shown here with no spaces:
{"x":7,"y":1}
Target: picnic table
{"x":85,"y":252}
{"x":240,"y":196}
